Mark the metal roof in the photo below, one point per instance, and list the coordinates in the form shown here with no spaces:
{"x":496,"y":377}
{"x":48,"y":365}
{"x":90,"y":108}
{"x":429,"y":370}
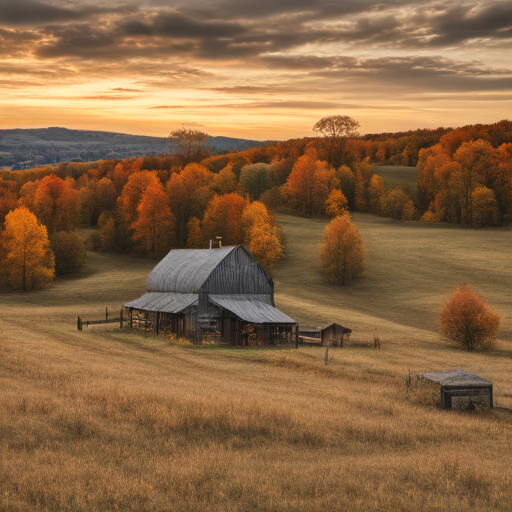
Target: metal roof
{"x":248,"y":308}
{"x":164,"y":302}
{"x":456,"y":378}
{"x":185,"y":270}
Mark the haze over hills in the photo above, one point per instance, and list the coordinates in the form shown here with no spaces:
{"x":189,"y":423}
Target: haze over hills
{"x":25,"y":148}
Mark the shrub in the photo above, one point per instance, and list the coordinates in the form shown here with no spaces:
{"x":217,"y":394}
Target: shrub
{"x":69,"y":251}
{"x":466,"y":319}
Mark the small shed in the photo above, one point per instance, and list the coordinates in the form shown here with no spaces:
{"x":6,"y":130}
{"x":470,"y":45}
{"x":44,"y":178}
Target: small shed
{"x":461,"y":390}
{"x":333,"y":334}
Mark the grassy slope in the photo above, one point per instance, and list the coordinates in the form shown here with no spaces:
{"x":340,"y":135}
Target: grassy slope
{"x":398,"y":176}
{"x":98,"y":421}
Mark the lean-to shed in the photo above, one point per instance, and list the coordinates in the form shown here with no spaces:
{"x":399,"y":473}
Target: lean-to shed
{"x":333,"y":334}
{"x":222,"y":292}
{"x":460,"y":389}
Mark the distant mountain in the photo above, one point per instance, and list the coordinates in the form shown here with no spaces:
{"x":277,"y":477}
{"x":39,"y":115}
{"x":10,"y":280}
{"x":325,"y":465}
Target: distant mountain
{"x":22,"y":149}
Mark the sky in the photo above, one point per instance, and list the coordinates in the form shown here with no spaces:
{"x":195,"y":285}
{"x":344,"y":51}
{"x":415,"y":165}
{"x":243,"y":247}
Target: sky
{"x":254,"y":69}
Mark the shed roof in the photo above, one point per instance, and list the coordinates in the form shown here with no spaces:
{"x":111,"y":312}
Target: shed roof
{"x":164,"y":302}
{"x":336,"y":326}
{"x":185,"y":270}
{"x":251,"y":310}
{"x":456,"y":378}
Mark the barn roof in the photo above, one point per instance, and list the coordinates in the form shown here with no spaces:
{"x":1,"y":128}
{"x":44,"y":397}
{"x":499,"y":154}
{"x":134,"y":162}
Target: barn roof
{"x":251,"y":310}
{"x":456,"y":378}
{"x":185,"y":270}
{"x":164,"y":302}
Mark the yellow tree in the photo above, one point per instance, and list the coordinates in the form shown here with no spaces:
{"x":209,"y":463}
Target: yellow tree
{"x":336,"y":203}
{"x":342,"y":253}
{"x":27,"y":260}
{"x":155,"y":227}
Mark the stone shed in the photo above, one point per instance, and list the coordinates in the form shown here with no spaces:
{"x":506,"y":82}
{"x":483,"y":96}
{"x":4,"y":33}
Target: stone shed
{"x":461,"y":390}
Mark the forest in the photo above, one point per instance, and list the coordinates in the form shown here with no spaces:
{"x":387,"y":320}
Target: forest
{"x":149,"y":205}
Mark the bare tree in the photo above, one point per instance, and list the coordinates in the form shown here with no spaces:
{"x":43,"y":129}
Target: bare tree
{"x":336,"y":128}
{"x":189,"y":144}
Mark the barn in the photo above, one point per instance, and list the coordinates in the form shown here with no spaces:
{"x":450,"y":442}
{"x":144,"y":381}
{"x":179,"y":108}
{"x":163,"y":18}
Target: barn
{"x":223,"y":292}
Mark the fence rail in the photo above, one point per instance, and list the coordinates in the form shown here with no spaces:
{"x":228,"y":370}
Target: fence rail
{"x":81,"y":322}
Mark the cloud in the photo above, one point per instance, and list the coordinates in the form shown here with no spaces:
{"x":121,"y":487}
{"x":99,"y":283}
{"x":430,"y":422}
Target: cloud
{"x":122,"y":89}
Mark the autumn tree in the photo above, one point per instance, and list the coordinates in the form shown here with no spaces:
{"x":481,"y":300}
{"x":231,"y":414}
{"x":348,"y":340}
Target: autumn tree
{"x":375,"y":192}
{"x":364,"y":174}
{"x":347,"y":183}
{"x":8,"y":198}
{"x":133,"y":191}
{"x":26,"y":261}
{"x":309,"y":184}
{"x":56,"y":203}
{"x":195,"y":238}
{"x":189,"y":194}
{"x":108,"y":232}
{"x":223,"y":218}
{"x":342,"y":253}
{"x":262,"y":234}
{"x":189,"y":144}
{"x":476,"y":160}
{"x":466,"y":319}
{"x":397,"y":205}
{"x":484,"y":207}
{"x":225,"y":181}
{"x":336,"y":129}
{"x":69,"y":252}
{"x":154,"y":229}
{"x":336,"y":204}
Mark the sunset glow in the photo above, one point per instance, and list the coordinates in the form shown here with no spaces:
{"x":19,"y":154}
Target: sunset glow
{"x":256,"y":70}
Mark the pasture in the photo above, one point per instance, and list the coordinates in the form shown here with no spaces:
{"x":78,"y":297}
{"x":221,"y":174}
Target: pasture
{"x":96,"y":421}
{"x":399,"y":176}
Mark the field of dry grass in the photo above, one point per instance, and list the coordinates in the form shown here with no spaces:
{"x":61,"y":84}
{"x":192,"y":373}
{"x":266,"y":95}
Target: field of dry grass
{"x":94,"y":421}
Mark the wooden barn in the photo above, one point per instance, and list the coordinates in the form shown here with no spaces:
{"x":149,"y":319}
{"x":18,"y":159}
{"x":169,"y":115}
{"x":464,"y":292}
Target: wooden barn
{"x":224,"y":293}
{"x":331,"y":335}
{"x":460,"y":389}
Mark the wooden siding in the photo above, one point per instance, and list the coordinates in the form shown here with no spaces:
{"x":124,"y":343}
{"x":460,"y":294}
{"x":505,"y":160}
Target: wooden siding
{"x":239,"y":273}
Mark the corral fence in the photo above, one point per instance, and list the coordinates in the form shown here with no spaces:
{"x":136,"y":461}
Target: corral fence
{"x":81,"y":323}
{"x":132,"y":322}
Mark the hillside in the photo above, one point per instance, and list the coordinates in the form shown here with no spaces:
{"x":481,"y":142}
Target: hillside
{"x":23,"y":149}
{"x":97,"y":421}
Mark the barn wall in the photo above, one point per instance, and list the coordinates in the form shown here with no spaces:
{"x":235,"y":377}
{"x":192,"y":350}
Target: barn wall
{"x":239,"y":273}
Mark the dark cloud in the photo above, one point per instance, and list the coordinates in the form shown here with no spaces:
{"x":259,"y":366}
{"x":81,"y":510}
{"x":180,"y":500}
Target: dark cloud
{"x":107,"y":97}
{"x":36,"y":12}
{"x":179,"y":26}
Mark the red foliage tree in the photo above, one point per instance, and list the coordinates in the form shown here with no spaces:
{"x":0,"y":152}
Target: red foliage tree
{"x":466,"y":319}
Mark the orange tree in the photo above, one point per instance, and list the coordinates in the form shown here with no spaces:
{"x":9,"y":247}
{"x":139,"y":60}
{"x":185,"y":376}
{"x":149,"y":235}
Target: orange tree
{"x":155,"y":227}
{"x":342,"y":253}
{"x":27,"y":261}
{"x":466,"y":319}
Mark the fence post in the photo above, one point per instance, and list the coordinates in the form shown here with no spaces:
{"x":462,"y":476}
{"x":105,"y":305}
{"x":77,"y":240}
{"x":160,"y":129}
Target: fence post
{"x":78,"y":323}
{"x":121,"y":319}
{"x":131,"y":318}
{"x":106,"y":314}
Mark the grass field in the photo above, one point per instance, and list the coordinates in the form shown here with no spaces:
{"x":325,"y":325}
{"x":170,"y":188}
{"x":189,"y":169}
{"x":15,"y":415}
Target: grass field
{"x":94,"y":421}
{"x":399,"y":176}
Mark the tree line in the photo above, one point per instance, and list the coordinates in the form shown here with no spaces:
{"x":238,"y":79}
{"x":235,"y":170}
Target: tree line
{"x":135,"y":210}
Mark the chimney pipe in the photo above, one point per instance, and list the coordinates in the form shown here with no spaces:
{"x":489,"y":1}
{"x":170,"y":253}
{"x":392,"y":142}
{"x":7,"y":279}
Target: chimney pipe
{"x":211,"y":243}
{"x":219,"y":239}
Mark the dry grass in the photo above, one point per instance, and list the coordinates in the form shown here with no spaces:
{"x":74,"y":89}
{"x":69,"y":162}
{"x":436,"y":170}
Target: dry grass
{"x":94,"y":421}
